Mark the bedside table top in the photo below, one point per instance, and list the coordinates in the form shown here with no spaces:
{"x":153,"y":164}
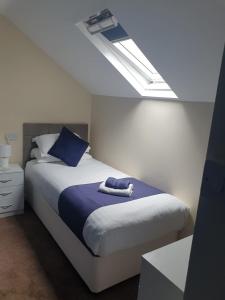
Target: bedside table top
{"x":13,"y":168}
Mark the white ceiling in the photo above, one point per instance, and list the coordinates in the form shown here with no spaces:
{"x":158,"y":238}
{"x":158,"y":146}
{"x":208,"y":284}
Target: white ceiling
{"x":184,"y":40}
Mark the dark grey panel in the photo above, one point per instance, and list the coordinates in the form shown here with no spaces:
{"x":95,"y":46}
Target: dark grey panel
{"x":206,"y":273}
{"x":31,"y":130}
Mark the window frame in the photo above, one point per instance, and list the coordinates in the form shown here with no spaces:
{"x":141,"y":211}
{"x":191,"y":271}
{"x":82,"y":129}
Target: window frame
{"x":128,"y":69}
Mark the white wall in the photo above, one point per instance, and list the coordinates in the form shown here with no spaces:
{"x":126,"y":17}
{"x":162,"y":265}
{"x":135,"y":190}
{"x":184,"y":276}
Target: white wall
{"x":33,"y":88}
{"x":163,"y":143}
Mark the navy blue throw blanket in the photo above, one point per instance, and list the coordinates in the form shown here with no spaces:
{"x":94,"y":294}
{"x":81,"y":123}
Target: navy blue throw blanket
{"x":77,"y":202}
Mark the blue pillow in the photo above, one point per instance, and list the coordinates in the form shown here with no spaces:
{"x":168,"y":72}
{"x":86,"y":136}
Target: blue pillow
{"x":69,"y":147}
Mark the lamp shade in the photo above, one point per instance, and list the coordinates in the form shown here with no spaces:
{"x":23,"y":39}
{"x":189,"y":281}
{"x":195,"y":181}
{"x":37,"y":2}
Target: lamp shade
{"x":5,"y":150}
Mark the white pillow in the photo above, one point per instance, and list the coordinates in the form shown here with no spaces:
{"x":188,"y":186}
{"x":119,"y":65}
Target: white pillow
{"x":36,"y":153}
{"x":46,"y":141}
{"x":85,"y":157}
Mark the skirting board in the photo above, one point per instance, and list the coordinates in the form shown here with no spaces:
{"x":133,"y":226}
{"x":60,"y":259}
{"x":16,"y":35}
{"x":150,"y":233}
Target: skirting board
{"x":98,"y":273}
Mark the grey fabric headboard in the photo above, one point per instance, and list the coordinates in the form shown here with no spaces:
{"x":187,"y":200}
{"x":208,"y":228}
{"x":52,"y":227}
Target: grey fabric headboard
{"x":31,"y":130}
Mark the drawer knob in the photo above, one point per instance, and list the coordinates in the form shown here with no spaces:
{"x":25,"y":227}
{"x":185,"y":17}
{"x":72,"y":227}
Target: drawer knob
{"x":5,"y":207}
{"x":5,"y":181}
{"x":5,"y":194}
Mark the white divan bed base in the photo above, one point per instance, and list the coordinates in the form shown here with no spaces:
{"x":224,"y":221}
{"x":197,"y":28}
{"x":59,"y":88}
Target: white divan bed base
{"x":98,"y":273}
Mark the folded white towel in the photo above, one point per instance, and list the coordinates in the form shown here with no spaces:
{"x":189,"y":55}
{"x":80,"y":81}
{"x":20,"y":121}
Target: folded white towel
{"x":123,"y":193}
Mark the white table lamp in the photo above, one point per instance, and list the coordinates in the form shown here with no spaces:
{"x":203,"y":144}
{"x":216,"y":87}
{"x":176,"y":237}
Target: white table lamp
{"x":5,"y":153}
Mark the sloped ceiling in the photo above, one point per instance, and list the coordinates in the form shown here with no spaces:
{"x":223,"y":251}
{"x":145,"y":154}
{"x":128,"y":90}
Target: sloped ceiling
{"x":183,"y":39}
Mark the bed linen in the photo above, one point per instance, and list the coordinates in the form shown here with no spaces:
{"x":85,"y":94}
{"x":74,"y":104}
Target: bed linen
{"x":77,"y":202}
{"x":113,"y":227}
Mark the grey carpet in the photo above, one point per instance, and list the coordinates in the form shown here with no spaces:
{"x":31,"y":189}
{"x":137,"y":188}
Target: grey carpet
{"x":32,"y":266}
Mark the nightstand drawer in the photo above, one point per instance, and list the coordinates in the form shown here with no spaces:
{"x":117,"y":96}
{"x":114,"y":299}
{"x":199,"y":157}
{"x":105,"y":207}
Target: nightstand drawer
{"x":11,"y":192}
{"x":10,"y":179}
{"x":12,"y":204}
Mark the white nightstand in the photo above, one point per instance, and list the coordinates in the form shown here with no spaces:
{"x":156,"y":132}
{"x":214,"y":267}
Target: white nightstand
{"x":11,"y":191}
{"x":164,"y":271}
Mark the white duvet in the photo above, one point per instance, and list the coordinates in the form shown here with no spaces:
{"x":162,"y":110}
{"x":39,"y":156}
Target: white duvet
{"x":114,"y":227}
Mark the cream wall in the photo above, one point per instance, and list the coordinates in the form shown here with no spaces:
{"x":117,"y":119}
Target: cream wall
{"x":33,"y":88}
{"x":163,"y":143}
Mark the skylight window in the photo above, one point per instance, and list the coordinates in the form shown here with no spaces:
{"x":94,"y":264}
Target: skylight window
{"x":105,"y":32}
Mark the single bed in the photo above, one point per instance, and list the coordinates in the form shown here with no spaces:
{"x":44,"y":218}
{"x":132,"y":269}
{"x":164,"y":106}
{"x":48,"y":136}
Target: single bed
{"x":116,"y":235}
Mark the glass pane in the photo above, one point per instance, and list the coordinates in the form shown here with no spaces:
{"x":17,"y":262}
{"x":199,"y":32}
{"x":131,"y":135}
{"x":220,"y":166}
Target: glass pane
{"x":134,"y":50}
